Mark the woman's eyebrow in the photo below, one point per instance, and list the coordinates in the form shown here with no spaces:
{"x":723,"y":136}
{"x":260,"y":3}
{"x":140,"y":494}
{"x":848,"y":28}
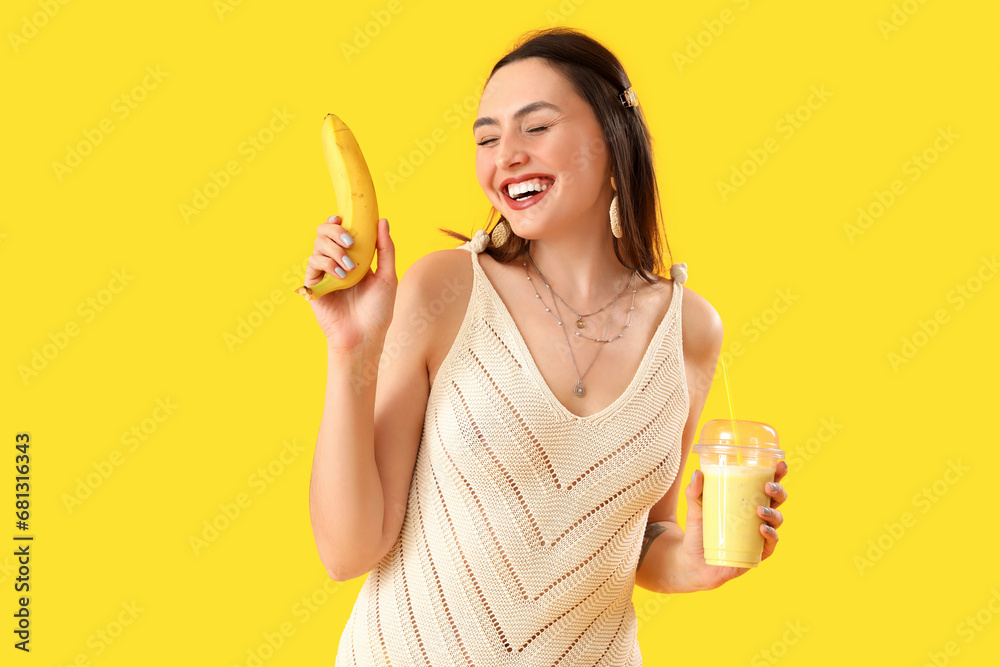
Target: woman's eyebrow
{"x":520,"y":113}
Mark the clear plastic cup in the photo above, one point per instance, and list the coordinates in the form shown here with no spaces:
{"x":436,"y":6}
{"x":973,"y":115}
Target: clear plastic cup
{"x":735,"y":475}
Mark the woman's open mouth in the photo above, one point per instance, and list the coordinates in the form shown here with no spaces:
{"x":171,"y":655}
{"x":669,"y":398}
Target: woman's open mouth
{"x":527,"y":193}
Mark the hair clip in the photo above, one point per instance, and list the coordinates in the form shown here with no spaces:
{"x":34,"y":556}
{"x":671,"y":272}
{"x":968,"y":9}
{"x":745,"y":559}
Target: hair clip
{"x":628,"y":98}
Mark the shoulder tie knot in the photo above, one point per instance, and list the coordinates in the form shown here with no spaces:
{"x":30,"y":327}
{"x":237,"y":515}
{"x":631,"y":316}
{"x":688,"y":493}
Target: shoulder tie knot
{"x":479,"y":241}
{"x":679,"y":272}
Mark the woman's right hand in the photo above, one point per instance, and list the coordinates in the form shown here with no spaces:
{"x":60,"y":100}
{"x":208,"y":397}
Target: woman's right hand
{"x":361,"y":313}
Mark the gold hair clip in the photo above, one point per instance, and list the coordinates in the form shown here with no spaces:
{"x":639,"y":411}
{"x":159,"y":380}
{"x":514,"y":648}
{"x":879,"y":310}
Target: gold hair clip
{"x":628,"y":98}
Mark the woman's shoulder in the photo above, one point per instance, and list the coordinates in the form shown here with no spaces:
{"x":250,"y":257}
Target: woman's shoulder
{"x":440,"y":283}
{"x":701,"y":327}
{"x":440,"y":266}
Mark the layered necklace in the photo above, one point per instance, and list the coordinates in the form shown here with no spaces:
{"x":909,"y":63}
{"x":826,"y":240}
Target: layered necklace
{"x":580,"y":389}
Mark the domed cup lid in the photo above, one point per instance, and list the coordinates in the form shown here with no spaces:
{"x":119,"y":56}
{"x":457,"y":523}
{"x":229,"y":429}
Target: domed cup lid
{"x":738,"y":440}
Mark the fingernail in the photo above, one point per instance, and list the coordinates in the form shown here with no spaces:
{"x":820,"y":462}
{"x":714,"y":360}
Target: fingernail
{"x":331,"y":218}
{"x":386,"y":224}
{"x":693,"y":474}
{"x":769,"y":529}
{"x":766,"y":510}
{"x":349,"y":262}
{"x":340,"y":272}
{"x":774,"y":487}
{"x":347,"y":238}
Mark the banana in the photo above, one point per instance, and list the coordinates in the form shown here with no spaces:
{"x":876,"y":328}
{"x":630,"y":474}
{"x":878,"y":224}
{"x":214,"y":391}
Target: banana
{"x":357,"y":207}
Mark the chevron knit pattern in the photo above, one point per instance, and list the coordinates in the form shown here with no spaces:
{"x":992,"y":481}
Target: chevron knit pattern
{"x":524,"y":521}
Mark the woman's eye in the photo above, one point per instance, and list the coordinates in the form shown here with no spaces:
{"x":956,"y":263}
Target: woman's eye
{"x":534,"y":129}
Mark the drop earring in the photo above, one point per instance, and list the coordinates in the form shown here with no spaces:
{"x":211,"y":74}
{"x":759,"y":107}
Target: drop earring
{"x":616,"y":225}
{"x":501,"y":233}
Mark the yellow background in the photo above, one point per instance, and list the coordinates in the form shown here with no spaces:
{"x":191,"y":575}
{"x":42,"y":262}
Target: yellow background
{"x":865,"y":436}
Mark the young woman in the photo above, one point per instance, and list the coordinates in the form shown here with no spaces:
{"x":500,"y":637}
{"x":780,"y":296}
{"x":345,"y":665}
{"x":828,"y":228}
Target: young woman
{"x":538,"y":389}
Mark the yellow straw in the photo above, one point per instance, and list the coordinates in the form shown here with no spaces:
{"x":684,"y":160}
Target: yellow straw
{"x":732,"y":410}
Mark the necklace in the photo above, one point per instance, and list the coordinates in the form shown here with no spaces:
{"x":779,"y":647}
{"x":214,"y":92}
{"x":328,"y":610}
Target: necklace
{"x":580,"y":389}
{"x":559,"y":319}
{"x":579,"y":317}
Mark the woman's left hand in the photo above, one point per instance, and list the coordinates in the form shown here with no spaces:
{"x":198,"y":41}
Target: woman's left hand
{"x":704,"y":576}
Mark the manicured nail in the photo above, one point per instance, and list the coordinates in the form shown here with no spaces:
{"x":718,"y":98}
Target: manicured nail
{"x":340,"y":272}
{"x":766,"y":511}
{"x":331,"y":218}
{"x":349,"y":262}
{"x":346,"y":238}
{"x":693,"y":474}
{"x":774,"y":487}
{"x":386,"y":224}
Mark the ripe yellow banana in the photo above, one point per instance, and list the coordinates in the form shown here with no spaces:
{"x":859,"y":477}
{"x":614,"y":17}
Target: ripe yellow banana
{"x":356,"y":204}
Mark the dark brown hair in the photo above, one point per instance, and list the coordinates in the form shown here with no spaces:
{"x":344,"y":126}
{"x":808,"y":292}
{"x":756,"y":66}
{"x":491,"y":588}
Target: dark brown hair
{"x":598,"y":77}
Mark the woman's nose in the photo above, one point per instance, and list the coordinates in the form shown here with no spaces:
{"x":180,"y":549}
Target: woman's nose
{"x":510,"y":153}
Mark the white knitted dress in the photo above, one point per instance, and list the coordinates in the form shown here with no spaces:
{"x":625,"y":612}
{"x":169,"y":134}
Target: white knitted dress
{"x":524,"y":521}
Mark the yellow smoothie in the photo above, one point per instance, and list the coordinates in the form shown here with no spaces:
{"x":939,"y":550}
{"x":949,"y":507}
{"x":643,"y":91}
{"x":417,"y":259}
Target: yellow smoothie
{"x":730,"y":499}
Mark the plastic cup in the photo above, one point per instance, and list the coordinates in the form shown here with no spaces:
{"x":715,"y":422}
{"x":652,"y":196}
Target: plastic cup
{"x":735,"y":475}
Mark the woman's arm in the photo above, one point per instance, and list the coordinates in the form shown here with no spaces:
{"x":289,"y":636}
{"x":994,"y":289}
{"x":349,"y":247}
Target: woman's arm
{"x":672,"y":560}
{"x":659,"y":567}
{"x":368,"y":441}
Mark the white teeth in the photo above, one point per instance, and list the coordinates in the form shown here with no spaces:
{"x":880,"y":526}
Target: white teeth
{"x":515,"y":189}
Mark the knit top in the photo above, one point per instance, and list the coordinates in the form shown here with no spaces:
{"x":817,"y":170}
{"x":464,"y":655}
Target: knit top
{"x":524,"y":521}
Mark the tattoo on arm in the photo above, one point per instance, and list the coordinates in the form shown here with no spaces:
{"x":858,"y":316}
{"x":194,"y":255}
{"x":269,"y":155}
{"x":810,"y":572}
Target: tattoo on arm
{"x":653,"y":530}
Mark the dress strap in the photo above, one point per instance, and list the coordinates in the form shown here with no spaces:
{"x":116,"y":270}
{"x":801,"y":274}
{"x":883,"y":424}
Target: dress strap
{"x":679,"y":272}
{"x":478,"y":242}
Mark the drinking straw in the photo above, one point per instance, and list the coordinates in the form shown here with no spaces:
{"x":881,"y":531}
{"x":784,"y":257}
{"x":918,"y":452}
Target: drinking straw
{"x":732,"y":410}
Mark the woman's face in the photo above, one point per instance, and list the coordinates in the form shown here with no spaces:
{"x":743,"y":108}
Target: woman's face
{"x":533,"y":124}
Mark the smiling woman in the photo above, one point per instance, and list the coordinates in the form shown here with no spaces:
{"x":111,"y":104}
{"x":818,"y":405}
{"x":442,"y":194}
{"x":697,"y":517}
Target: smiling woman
{"x":507,"y":500}
{"x":621,"y":136}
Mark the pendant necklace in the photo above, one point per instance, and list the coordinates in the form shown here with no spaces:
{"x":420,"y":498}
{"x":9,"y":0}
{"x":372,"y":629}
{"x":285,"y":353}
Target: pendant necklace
{"x":580,"y":389}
